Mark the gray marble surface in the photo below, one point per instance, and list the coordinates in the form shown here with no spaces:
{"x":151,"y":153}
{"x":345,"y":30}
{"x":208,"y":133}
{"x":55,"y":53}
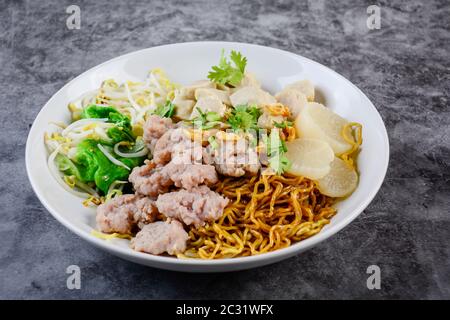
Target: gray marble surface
{"x":403,"y":68}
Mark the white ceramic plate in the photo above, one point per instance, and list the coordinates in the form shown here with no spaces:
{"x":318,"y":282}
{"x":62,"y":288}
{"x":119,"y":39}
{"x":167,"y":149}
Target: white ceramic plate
{"x":187,"y":62}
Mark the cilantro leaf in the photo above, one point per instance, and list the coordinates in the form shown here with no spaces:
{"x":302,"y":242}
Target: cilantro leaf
{"x":166,"y":110}
{"x":227,"y":74}
{"x":244,"y":117}
{"x":279,"y":164}
{"x":239,"y":61}
{"x":276,"y":149}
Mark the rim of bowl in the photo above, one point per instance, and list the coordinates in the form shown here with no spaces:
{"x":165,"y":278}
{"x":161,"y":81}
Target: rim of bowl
{"x":280,"y":253}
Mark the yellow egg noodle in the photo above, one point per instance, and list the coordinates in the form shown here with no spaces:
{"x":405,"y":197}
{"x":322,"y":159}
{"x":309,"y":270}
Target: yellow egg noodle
{"x":266,"y":213}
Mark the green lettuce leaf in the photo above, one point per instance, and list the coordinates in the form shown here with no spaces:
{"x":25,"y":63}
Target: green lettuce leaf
{"x":93,"y":166}
{"x":122,"y":131}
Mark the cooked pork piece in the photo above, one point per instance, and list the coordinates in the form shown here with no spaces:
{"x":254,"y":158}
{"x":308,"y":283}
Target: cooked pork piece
{"x":294,"y":99}
{"x":252,"y":95}
{"x":154,"y":128}
{"x":233,"y":158}
{"x":189,"y":176}
{"x":187,"y":152}
{"x":162,"y":153}
{"x":160,"y":237}
{"x":149,"y":180}
{"x":176,"y":145}
{"x":195,"y":206}
{"x":146,"y":212}
{"x":122,"y":213}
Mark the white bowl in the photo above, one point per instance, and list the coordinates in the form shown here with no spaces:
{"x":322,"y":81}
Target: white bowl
{"x":187,"y":62}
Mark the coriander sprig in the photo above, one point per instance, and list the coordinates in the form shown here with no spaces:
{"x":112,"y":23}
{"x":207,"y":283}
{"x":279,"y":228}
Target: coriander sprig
{"x":276,"y":149}
{"x":227,"y":74}
{"x":244,"y":117}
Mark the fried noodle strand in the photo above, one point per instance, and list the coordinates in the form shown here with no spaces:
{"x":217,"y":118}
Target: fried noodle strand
{"x":265,"y":213}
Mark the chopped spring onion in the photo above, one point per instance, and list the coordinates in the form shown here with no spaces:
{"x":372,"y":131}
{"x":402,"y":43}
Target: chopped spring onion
{"x":111,"y":157}
{"x":206,"y":120}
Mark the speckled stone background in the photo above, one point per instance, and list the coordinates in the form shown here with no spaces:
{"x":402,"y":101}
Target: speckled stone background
{"x":403,"y":68}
